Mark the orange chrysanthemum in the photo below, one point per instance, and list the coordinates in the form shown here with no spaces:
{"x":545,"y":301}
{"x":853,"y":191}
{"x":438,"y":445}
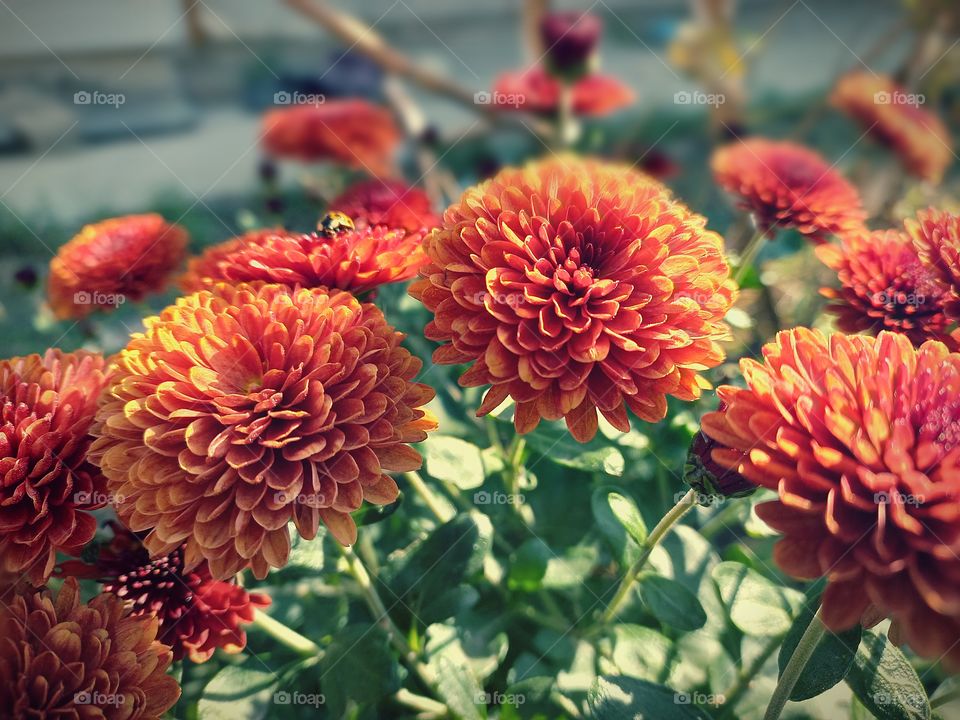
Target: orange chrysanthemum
{"x":575,"y":286}
{"x":884,"y":285}
{"x":860,"y":436}
{"x":61,"y":658}
{"x":196,"y":613}
{"x":789,"y":186}
{"x":354,"y":133}
{"x":356,"y":260}
{"x":114,"y":261}
{"x":894,"y":117}
{"x":47,"y":487}
{"x":536,"y":90}
{"x":387,"y":202}
{"x":242,"y":408}
{"x":936,"y":236}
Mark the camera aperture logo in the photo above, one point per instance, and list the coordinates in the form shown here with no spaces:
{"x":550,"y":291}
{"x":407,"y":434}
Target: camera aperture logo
{"x":697,"y":97}
{"x":96,"y":97}
{"x":898,"y":97}
{"x":98,"y":699}
{"x":485,"y":97}
{"x":101,"y":299}
{"x":283,"y":697}
{"x":298,"y":98}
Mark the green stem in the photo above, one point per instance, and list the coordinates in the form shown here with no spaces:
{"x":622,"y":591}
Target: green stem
{"x":732,"y":695}
{"x":383,"y":619}
{"x":567,"y":129}
{"x":653,"y":539}
{"x":420,"y":703}
{"x":436,"y":506}
{"x":719,"y":521}
{"x":796,"y":664}
{"x":290,"y":638}
{"x":749,"y":254}
{"x":514,"y":459}
{"x":946,"y":698}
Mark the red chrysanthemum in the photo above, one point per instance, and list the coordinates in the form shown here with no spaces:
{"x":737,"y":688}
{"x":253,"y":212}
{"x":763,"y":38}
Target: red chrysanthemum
{"x":243,"y":408}
{"x":112,"y":262}
{"x":354,"y":133}
{"x":575,"y":286}
{"x":860,"y":437}
{"x":789,"y":186}
{"x":884,"y":285}
{"x":894,"y":117}
{"x":196,"y":613}
{"x":387,"y":202}
{"x":936,"y":236}
{"x":357,"y":260}
{"x":61,"y":658}
{"x":47,"y":487}
{"x":536,"y":90}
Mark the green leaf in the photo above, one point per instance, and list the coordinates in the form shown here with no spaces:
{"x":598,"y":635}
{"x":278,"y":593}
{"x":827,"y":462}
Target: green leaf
{"x":476,"y":650}
{"x":641,"y":652}
{"x":555,"y":445}
{"x":885,"y":681}
{"x":626,"y":512}
{"x":237,"y":691}
{"x":454,"y":461}
{"x":756,"y":606}
{"x":671,"y":603}
{"x":535,"y":565}
{"x":357,"y":666}
{"x":830,"y":662}
{"x":306,"y":556}
{"x":460,"y":690}
{"x":613,"y":531}
{"x":623,"y":698}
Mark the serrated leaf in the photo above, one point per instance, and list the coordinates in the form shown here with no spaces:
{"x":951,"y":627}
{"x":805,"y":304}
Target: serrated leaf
{"x":756,"y":606}
{"x":671,"y":603}
{"x":238,"y":691}
{"x":830,"y":662}
{"x":454,"y":461}
{"x":359,"y":667}
{"x":623,"y":698}
{"x":626,"y":512}
{"x":885,"y":681}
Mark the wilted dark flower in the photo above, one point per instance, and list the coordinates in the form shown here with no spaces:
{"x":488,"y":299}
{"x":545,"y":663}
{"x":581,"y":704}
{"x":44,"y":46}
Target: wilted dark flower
{"x":240,"y":409}
{"x":570,"y":42}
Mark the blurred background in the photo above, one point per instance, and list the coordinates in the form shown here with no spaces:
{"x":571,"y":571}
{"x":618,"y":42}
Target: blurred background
{"x":111,"y":106}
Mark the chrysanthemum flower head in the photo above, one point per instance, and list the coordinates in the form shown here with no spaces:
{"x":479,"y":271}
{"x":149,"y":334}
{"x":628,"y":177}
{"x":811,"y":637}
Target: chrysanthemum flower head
{"x":537,"y":91}
{"x":936,"y":236}
{"x":47,"y":487}
{"x":60,"y":657}
{"x":860,"y":437}
{"x":196,"y":614}
{"x":884,"y":285}
{"x":896,"y":119}
{"x":357,"y":260}
{"x":574,"y":286}
{"x":242,"y":408}
{"x":354,"y":133}
{"x":114,"y":261}
{"x":785,"y":185}
{"x":387,"y":202}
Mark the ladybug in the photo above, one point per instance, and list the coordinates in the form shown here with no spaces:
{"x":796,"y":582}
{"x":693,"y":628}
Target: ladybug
{"x":335,"y":222}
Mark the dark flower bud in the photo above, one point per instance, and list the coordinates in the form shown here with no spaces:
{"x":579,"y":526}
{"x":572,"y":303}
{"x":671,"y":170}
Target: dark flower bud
{"x":570,"y":42}
{"x":707,"y":476}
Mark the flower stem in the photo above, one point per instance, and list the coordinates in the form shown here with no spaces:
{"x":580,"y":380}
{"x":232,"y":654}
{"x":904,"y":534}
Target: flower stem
{"x":798,"y":661}
{"x":420,"y":703}
{"x":437,"y":507}
{"x":653,"y":539}
{"x":290,"y":638}
{"x":567,"y":128}
{"x":749,"y":254}
{"x":383,"y":619}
